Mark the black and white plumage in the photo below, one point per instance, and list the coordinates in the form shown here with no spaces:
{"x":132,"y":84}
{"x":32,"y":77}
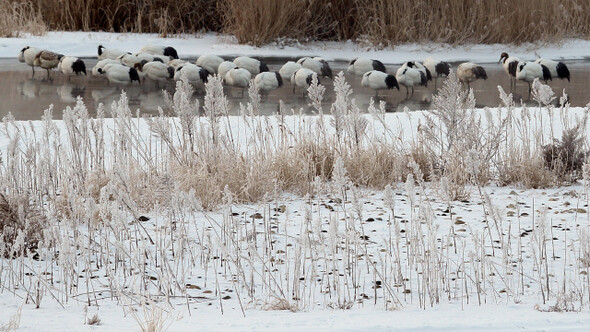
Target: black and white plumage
{"x":157,"y":71}
{"x":28,"y":55}
{"x":71,"y":65}
{"x":378,"y":80}
{"x":129,"y":60}
{"x":509,"y":63}
{"x":238,"y":77}
{"x":288,"y":69}
{"x":210,"y":62}
{"x":109,"y":53}
{"x":139,"y":67}
{"x":468,"y":72}
{"x":160,"y":50}
{"x":150,"y":57}
{"x":303,"y":78}
{"x":47,"y":60}
{"x":557,"y":69}
{"x":224,"y":67}
{"x":194,"y":74}
{"x":101,"y":64}
{"x":410,"y":76}
{"x":436,"y":67}
{"x":175,"y":63}
{"x":252,"y":65}
{"x":268,"y":81}
{"x":359,"y":66}
{"x":528,"y":71}
{"x":318,"y":65}
{"x":420,"y":67}
{"x":120,"y":74}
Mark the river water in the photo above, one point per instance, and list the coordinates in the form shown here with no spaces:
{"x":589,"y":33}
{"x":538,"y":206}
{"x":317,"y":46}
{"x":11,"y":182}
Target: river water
{"x":27,"y":97}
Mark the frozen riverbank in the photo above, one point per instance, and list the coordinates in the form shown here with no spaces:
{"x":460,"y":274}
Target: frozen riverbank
{"x":85,"y":44}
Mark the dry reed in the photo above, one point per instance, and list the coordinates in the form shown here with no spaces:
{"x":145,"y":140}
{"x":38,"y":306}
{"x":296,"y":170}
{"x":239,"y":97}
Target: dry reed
{"x":152,"y":16}
{"x":261,"y":21}
{"x":461,"y":21}
{"x":20,"y":17}
{"x":379,"y":23}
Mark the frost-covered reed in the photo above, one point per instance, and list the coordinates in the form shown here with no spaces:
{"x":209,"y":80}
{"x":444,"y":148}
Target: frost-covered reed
{"x":149,"y":211}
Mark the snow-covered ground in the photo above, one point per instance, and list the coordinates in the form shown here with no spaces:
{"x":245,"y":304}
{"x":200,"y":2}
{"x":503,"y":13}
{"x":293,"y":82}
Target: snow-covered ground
{"x":490,"y":317}
{"x":497,"y":312}
{"x":84,"y":44}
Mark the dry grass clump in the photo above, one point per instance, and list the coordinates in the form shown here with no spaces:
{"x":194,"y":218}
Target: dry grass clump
{"x":458,"y":21}
{"x":566,"y":156}
{"x":417,"y":159}
{"x":20,"y":17}
{"x":375,"y":167}
{"x":202,"y":183}
{"x":147,"y":189}
{"x":259,"y":22}
{"x":567,"y":302}
{"x":247,"y":180}
{"x":526,"y":170}
{"x":21,"y":223}
{"x":280,"y":305}
{"x":13,"y":323}
{"x":95,"y":182}
{"x":297,"y":166}
{"x":94,"y":320}
{"x":151,"y":16}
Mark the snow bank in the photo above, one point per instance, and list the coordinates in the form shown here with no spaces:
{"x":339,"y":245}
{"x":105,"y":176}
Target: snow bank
{"x":84,"y":44}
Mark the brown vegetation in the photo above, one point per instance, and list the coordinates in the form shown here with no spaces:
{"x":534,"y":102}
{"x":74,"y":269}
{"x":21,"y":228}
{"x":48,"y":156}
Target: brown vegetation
{"x":21,"y":224}
{"x":22,"y":15}
{"x":258,"y":22}
{"x":566,"y":156}
{"x":261,"y":21}
{"x":461,"y":21}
